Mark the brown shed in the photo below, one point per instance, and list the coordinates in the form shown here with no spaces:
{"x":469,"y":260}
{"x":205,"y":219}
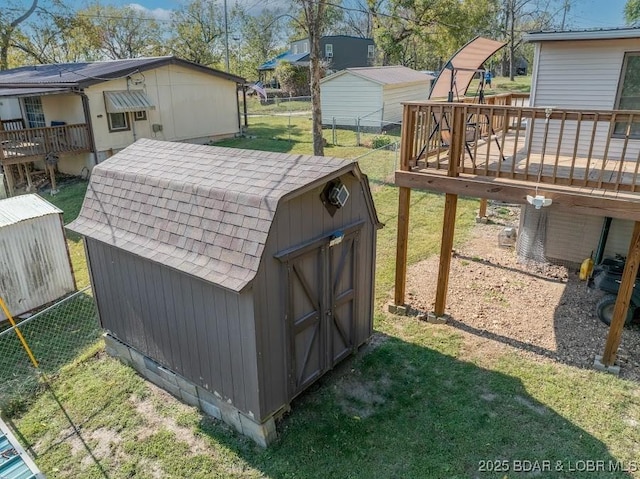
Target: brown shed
{"x":232,"y":278}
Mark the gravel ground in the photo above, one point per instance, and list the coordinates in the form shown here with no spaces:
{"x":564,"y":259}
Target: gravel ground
{"x":498,"y":304}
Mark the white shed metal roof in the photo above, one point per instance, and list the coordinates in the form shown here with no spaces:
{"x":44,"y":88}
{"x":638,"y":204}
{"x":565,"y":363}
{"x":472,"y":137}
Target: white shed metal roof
{"x":392,"y":75}
{"x":590,"y":34}
{"x":20,"y":208}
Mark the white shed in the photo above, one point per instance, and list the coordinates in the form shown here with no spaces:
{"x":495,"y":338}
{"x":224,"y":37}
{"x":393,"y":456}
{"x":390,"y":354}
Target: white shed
{"x":374,"y":95}
{"x":35,"y":268}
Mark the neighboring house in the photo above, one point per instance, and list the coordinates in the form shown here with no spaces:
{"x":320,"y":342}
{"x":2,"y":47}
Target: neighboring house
{"x":85,"y":112}
{"x":338,"y":52}
{"x":586,"y":70}
{"x":372,"y":95}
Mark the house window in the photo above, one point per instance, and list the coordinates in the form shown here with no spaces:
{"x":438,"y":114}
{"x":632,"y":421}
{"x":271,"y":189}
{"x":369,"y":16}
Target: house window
{"x":118,"y":121}
{"x":34,"y":112}
{"x":306,"y":47}
{"x":371,"y":51}
{"x":629,"y":94}
{"x":295,"y":49}
{"x":139,"y":115}
{"x":328,"y":50}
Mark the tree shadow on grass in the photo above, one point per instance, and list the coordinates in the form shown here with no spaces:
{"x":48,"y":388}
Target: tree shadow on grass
{"x":401,"y":410}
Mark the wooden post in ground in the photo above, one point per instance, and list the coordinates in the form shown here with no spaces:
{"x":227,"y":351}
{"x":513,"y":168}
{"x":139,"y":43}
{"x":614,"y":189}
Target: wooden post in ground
{"x":482,"y":211}
{"x":8,"y":174}
{"x":450,"y":206}
{"x":404,"y":199}
{"x":624,"y":297}
{"x":52,"y":174}
{"x":28,"y":176}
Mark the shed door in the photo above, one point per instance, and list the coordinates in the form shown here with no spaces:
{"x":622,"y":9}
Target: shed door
{"x":322,"y":309}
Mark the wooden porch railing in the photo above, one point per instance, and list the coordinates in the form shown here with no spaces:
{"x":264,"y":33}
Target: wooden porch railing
{"x":599,"y":149}
{"x":17,"y":146}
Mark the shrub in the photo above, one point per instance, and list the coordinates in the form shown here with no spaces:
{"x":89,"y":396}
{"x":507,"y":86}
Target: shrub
{"x":294,"y":80}
{"x":379,"y":141}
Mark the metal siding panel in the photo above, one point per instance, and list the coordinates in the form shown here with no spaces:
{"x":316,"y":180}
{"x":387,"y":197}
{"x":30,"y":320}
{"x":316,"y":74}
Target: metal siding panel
{"x":191,"y":344}
{"x":249,"y":354}
{"x":237,"y":353}
{"x":171,"y":348}
{"x":571,"y":237}
{"x":619,"y":237}
{"x":206,"y":353}
{"x":224,"y":343}
{"x":211,"y":319}
{"x":34,"y":264}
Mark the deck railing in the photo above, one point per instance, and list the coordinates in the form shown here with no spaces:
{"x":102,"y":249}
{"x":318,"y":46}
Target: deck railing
{"x":17,"y":146}
{"x":599,"y":149}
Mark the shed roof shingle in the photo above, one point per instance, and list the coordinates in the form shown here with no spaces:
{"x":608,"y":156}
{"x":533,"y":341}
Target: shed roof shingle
{"x":203,"y":210}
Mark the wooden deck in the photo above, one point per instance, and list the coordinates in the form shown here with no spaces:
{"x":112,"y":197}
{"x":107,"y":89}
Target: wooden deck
{"x":562,"y":152}
{"x":19,"y":147}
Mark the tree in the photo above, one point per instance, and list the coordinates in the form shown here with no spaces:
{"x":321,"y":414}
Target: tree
{"x":198,"y":33}
{"x":293,"y":79}
{"x":420,"y":33}
{"x":632,"y":12}
{"x":8,"y":28}
{"x":118,"y":32}
{"x":260,"y":37}
{"x":314,"y":14}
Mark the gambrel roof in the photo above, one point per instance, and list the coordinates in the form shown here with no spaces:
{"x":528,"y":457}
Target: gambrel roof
{"x":202,"y":210}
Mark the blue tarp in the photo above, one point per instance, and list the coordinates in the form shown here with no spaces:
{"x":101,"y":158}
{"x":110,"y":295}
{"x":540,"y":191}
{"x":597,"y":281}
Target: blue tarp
{"x":283,"y":57}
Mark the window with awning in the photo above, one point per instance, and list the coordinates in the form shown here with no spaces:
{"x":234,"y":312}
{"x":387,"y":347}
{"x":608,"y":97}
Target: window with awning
{"x":127,"y":100}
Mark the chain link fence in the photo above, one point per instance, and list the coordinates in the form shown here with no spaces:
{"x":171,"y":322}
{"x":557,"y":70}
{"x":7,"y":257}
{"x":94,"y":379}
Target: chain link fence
{"x":55,"y":335}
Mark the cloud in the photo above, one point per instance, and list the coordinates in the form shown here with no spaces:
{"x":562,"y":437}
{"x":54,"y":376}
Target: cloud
{"x":157,"y":13}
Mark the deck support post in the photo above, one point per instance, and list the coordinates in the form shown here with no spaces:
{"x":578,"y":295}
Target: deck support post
{"x":624,"y":297}
{"x":402,"y":245}
{"x":404,"y":200}
{"x":458,"y":133}
{"x":8,"y":174}
{"x":482,"y":211}
{"x":448,"y":229}
{"x":28,"y":176}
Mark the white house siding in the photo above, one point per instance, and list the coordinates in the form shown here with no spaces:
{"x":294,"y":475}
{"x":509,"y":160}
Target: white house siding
{"x":581,"y":75}
{"x":395,"y":94}
{"x":190,"y":106}
{"x":572,"y":238}
{"x":10,"y":108}
{"x":348,"y":97}
{"x":67,"y":108}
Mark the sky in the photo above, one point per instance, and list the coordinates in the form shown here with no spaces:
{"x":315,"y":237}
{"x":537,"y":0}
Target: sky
{"x":583,"y":13}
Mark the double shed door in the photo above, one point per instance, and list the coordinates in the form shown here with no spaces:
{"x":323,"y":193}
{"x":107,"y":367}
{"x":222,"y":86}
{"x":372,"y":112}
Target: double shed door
{"x":322,"y":308}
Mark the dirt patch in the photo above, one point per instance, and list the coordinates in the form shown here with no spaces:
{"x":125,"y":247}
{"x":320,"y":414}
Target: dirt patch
{"x":498,"y":304}
{"x":156,"y":422}
{"x":360,"y":398}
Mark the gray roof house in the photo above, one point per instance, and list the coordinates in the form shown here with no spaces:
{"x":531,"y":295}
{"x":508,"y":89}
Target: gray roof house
{"x":84,"y":112}
{"x":232,"y":278}
{"x":338,"y":52}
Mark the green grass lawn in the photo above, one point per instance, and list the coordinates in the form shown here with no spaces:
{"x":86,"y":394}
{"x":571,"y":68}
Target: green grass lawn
{"x":415,"y":404}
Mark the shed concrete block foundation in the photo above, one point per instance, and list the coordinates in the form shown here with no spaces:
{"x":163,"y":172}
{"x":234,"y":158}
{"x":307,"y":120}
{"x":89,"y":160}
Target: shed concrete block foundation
{"x":212,"y":404}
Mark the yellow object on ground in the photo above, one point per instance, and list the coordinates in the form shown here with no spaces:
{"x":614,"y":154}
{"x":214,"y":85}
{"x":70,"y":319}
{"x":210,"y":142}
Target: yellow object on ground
{"x":586,"y":268}
{"x":22,"y":340}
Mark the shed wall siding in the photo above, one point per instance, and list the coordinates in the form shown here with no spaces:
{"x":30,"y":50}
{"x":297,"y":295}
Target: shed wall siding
{"x":34,"y":264}
{"x":394,"y":95}
{"x":297,"y":221}
{"x":190,"y":105}
{"x":348,"y":97}
{"x":580,"y":75}
{"x":202,"y":332}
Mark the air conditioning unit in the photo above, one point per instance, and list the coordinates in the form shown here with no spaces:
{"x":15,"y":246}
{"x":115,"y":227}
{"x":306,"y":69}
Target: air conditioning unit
{"x":329,"y":54}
